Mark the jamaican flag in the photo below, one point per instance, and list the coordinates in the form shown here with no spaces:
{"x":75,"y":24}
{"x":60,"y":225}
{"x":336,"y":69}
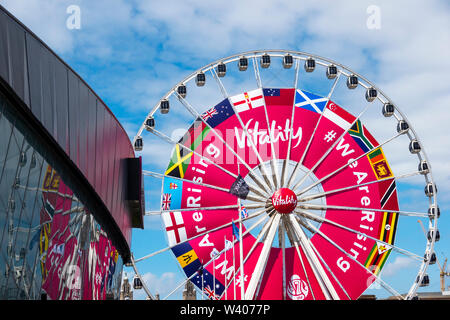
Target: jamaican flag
{"x":181,"y":157}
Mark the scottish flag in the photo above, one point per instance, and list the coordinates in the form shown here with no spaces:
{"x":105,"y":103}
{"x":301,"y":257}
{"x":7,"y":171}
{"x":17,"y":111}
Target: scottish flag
{"x":310,"y":101}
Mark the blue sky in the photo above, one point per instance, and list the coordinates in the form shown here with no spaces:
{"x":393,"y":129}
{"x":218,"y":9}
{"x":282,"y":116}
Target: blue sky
{"x":132,"y":52}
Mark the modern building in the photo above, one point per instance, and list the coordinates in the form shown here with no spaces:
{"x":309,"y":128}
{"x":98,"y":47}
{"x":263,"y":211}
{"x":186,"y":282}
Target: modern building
{"x":70,"y":184}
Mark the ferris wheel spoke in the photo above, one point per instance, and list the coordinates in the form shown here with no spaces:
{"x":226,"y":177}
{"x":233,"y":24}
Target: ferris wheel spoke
{"x":377,"y":278}
{"x":309,"y":215}
{"x":321,"y":276}
{"x":252,"y":188}
{"x":346,"y":165}
{"x":262,"y":260}
{"x":198,"y":116}
{"x":288,"y":156}
{"x":161,"y":176}
{"x":211,"y":260}
{"x":294,"y":242}
{"x":309,"y":206}
{"x":325,"y":193}
{"x":244,"y":260}
{"x":274,"y":167}
{"x":329,"y":149}
{"x":136,"y":271}
{"x":251,"y":216}
{"x":231,"y":206}
{"x":306,"y":226}
{"x":261,"y":167}
{"x":281,"y":240}
{"x":298,"y":165}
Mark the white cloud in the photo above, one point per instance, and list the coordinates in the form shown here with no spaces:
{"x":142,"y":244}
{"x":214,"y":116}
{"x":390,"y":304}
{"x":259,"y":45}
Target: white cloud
{"x":400,"y":263}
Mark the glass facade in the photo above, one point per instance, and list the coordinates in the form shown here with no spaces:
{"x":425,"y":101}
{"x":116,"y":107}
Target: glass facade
{"x":50,"y":244}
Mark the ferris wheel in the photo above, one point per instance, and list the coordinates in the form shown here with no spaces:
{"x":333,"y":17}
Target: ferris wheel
{"x":294,"y":178}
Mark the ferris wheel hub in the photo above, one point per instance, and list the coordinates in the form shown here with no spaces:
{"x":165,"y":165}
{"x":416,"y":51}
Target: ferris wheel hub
{"x":284,"y":200}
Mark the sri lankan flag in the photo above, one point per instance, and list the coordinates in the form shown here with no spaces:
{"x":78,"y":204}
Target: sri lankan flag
{"x":362,"y":137}
{"x":381,"y":249}
{"x":379,"y":164}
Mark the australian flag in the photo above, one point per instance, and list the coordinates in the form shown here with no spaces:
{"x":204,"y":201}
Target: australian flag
{"x":219,"y":113}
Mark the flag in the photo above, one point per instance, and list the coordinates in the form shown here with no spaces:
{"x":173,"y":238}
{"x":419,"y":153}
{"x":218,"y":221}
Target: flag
{"x":210,"y":285}
{"x":381,"y":250}
{"x":166,"y":200}
{"x":338,"y":115}
{"x":187,"y":258}
{"x":219,"y":113}
{"x":244,"y":212}
{"x":310,"y":101}
{"x":175,"y":228}
{"x":173,"y":186}
{"x":379,"y":164}
{"x":240,"y":188}
{"x":388,"y":193}
{"x":179,"y":162}
{"x":235,"y":230}
{"x":209,"y":113}
{"x":195,"y":134}
{"x":279,"y":97}
{"x":248,"y":100}
{"x":171,"y":199}
{"x":362,"y":137}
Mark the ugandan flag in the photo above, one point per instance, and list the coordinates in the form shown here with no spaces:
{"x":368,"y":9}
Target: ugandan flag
{"x":362,"y":137}
{"x":379,"y":164}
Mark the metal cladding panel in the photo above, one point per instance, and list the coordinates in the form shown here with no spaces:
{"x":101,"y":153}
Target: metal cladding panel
{"x":16,"y":42}
{"x":71,"y":113}
{"x":91,"y":138}
{"x":100,"y":158}
{"x":61,"y":104}
{"x":4,"y":65}
{"x":73,"y":84}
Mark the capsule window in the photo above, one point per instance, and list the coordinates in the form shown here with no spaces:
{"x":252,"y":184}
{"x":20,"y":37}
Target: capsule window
{"x":331,"y":72}
{"x":221,"y":69}
{"x":288,"y":61}
{"x":181,"y":90}
{"x":243,"y":64}
{"x":265,"y":61}
{"x":388,"y":109}
{"x":310,"y":65}
{"x":200,"y":79}
{"x":164,"y":106}
{"x":352,"y":81}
